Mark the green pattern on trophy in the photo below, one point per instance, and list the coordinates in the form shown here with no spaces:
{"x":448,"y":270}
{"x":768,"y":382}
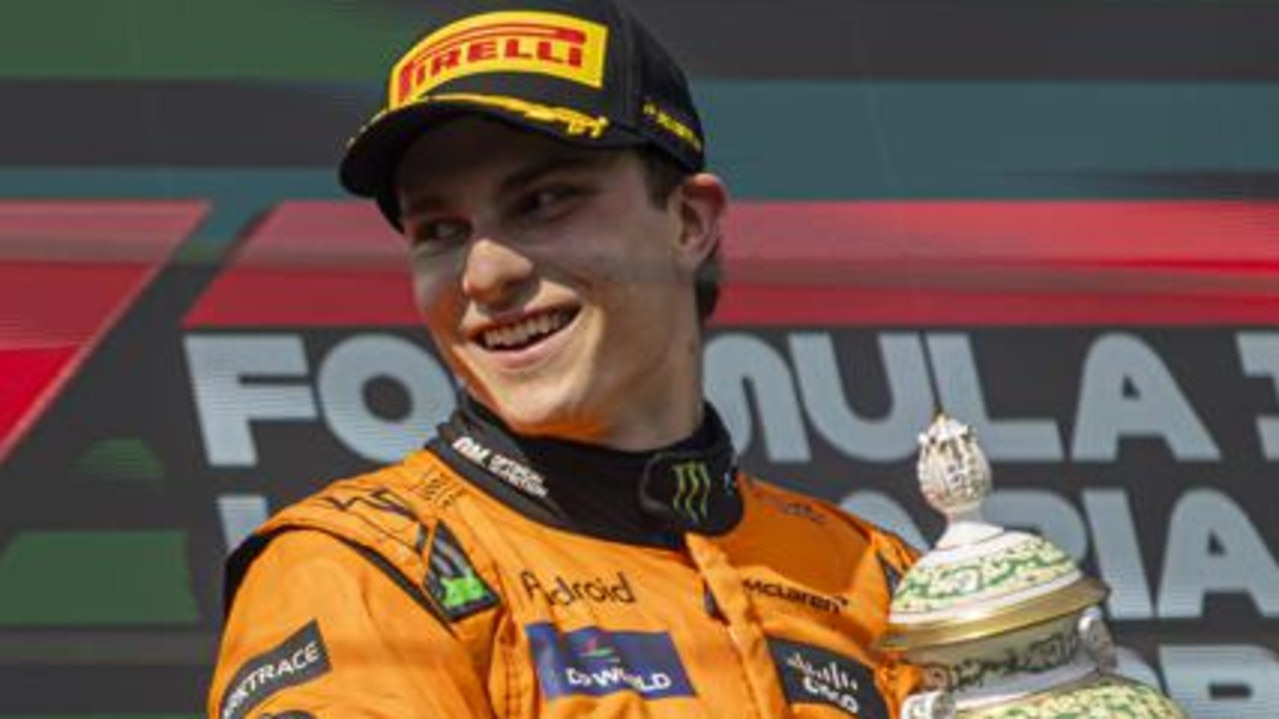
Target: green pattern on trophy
{"x":1037,"y":656}
{"x":1026,"y":566}
{"x":1108,"y":697}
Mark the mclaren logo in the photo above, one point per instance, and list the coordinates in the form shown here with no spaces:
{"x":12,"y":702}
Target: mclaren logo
{"x":693,"y":490}
{"x":543,"y":43}
{"x":831,"y":604}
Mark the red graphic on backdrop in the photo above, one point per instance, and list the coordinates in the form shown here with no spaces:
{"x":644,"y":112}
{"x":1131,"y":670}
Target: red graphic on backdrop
{"x":68,"y":272}
{"x":313,"y":263}
{"x":899,"y":263}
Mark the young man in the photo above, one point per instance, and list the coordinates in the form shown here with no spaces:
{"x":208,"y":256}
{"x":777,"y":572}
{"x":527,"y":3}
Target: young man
{"x":577,"y":540}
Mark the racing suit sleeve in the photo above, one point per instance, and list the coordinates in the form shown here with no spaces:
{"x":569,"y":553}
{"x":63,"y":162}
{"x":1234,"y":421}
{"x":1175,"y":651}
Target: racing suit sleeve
{"x":318,"y":630}
{"x":895,"y":679}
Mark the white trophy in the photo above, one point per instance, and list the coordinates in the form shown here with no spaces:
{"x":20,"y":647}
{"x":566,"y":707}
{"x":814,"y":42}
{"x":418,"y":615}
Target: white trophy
{"x":1002,"y":624}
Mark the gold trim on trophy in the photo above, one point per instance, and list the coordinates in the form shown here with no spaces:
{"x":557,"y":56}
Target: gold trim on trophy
{"x":980,"y":622}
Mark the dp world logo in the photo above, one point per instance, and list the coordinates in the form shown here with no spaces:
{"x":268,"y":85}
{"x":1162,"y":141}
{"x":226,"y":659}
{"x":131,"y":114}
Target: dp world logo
{"x":692,"y":490}
{"x":596,"y":662}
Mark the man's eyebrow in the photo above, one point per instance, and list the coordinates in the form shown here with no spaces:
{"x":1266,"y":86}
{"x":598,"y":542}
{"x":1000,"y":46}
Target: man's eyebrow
{"x":425,"y":202}
{"x":548,"y":165}
{"x":421,"y":205}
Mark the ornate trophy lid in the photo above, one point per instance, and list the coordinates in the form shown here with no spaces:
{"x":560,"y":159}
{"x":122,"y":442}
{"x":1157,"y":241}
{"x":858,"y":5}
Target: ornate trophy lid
{"x":981,"y":580}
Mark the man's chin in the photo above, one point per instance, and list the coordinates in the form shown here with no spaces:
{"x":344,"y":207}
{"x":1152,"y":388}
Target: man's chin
{"x":532,"y":416}
{"x":560,"y":423}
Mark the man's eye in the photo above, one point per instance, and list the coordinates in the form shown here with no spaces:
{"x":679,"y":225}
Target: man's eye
{"x":547,"y":201}
{"x":440,"y":231}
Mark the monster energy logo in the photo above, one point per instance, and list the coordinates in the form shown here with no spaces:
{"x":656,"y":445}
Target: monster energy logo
{"x":693,"y":490}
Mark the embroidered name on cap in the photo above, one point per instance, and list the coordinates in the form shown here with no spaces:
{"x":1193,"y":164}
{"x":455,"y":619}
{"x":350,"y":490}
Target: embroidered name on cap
{"x":813,"y":675}
{"x":543,"y":43}
{"x":301,"y":658}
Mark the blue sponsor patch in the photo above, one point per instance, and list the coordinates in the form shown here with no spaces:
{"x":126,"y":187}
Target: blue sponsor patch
{"x":813,"y":675}
{"x":595,"y":662}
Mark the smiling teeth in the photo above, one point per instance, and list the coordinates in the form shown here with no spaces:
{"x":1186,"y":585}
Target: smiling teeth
{"x":523,"y":332}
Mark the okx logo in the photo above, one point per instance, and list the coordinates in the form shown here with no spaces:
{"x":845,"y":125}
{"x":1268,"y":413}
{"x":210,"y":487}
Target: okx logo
{"x":693,"y":490}
{"x":594,"y":662}
{"x":452,"y":580}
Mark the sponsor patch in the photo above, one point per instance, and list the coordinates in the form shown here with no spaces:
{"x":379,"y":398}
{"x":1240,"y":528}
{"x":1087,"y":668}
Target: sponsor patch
{"x":562,"y":591}
{"x":451,"y":579}
{"x":668,"y":123}
{"x":812,"y":675}
{"x":795,"y":508}
{"x":438,"y":489}
{"x":542,"y":43}
{"x":693,"y":490}
{"x":828,"y":603}
{"x":300,"y":658}
{"x":513,"y":472}
{"x":595,"y":662}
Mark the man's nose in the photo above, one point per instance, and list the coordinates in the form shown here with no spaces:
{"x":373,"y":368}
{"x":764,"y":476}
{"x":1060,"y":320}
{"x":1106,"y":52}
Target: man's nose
{"x":494,"y":272}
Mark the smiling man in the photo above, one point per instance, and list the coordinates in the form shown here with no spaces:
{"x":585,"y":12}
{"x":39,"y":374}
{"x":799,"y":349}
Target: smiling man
{"x":551,"y":283}
{"x":577,"y":539}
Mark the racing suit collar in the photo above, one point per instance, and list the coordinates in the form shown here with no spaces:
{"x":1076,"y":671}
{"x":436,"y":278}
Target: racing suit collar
{"x":650,"y":497}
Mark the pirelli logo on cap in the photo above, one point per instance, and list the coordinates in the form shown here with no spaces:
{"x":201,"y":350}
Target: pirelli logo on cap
{"x":535,"y":42}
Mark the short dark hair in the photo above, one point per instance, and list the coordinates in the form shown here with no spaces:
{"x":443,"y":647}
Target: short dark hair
{"x":661,"y":176}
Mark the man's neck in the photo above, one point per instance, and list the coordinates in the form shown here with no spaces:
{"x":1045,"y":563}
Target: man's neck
{"x":587,"y":488}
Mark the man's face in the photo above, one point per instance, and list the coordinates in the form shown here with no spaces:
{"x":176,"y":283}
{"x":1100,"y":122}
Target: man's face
{"x":553,"y":286}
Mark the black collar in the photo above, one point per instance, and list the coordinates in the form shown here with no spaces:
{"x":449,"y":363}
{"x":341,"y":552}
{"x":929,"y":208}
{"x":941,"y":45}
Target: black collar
{"x":637,"y":497}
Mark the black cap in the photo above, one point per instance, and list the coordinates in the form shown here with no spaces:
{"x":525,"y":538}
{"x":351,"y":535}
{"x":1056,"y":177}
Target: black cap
{"x":584,"y":71}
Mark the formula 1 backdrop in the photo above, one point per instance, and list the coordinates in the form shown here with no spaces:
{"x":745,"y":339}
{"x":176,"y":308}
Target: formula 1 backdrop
{"x":1059,"y":220}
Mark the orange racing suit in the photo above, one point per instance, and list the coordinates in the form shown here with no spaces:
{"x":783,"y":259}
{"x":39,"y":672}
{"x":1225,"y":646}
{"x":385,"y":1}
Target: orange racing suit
{"x":415,"y":591}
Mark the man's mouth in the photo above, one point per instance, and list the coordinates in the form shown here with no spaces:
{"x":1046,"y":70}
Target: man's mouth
{"x":526,"y":332}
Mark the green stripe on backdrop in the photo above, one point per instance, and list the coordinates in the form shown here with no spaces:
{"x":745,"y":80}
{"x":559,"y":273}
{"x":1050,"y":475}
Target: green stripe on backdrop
{"x":811,"y":140}
{"x":803,"y":140}
{"x":131,"y":39}
{"x":96,"y":578}
{"x":323,"y":40}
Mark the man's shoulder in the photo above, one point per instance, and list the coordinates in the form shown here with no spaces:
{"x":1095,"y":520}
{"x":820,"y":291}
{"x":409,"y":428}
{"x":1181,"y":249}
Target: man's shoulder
{"x":774,"y":499}
{"x":775,"y":503}
{"x":394,"y":516}
{"x":391,"y":503}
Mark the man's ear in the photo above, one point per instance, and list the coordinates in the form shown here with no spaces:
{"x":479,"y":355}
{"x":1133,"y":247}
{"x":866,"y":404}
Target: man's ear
{"x":703,"y":200}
